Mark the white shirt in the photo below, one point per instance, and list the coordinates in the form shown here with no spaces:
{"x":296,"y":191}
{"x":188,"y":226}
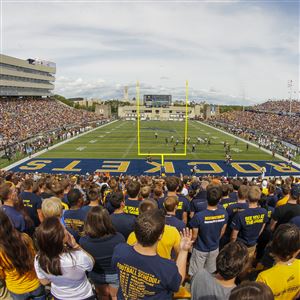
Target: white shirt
{"x":73,"y":284}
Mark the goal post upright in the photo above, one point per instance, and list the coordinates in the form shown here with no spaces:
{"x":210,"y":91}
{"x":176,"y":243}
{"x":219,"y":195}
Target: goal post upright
{"x":162,"y":155}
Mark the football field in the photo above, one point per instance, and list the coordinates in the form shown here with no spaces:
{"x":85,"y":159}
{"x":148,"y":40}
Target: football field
{"x":119,"y":141}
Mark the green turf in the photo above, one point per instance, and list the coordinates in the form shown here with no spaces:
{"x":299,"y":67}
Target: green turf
{"x":119,"y":140}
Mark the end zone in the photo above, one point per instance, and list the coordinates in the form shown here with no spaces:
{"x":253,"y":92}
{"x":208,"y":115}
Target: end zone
{"x":143,"y":167}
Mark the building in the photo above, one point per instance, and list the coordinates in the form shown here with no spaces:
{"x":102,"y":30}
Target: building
{"x":125,"y":93}
{"x":87,"y":102}
{"x":176,"y":113}
{"x":103,"y":110}
{"x":31,"y":77}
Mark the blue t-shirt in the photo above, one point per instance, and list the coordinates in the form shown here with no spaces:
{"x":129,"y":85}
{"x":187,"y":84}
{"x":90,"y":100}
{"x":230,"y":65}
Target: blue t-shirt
{"x":249,"y":223}
{"x":132,"y":207}
{"x":15,"y":217}
{"x":175,"y":222}
{"x":102,"y":249}
{"x":74,"y":220}
{"x":123,"y":223}
{"x":183,"y":205}
{"x":234,"y":195}
{"x":32,"y":203}
{"x":272,"y":200}
{"x":198,"y":205}
{"x":210,"y":224}
{"x":86,"y":208}
{"x":233,"y":209}
{"x":144,"y":277}
{"x":225,"y":202}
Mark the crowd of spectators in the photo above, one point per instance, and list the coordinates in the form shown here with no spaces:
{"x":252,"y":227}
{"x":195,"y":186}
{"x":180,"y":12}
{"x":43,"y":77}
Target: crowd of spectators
{"x":21,"y":119}
{"x":141,"y":237}
{"x":255,"y":124}
{"x":279,"y":106}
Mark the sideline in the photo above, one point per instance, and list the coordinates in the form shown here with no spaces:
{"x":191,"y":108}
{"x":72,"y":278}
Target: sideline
{"x":15,"y":164}
{"x":250,"y":143}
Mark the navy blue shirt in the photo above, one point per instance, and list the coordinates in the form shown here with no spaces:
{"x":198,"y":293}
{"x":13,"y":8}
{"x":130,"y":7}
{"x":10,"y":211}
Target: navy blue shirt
{"x":132,"y":207}
{"x":175,"y":222}
{"x":225,"y":202}
{"x":32,"y":203}
{"x":272,"y":200}
{"x":144,"y":277}
{"x":234,"y":195}
{"x":74,"y":220}
{"x":210,"y":224}
{"x":249,"y":223}
{"x":198,"y":204}
{"x":15,"y":217}
{"x":183,"y":205}
{"x":123,"y":223}
{"x":102,"y":249}
{"x":233,"y":209}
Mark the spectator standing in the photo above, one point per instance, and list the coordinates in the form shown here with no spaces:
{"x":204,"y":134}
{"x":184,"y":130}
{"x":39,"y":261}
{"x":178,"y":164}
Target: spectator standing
{"x":161,"y":277}
{"x":248,"y":224}
{"x":16,"y":262}
{"x":132,"y":202}
{"x":62,"y":266}
{"x":123,"y":223}
{"x":32,"y":202}
{"x":208,"y":227}
{"x":284,"y":277}
{"x":229,"y":264}
{"x":168,"y":243}
{"x":99,"y":241}
{"x":74,"y":218}
{"x":170,"y":205}
{"x":8,"y":195}
{"x":284,"y":213}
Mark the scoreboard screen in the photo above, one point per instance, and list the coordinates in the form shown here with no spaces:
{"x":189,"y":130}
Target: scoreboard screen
{"x":157,"y":100}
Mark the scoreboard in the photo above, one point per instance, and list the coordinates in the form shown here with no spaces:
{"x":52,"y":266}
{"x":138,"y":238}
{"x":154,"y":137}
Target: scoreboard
{"x":157,"y":100}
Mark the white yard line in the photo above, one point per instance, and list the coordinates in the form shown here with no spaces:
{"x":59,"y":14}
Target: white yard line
{"x":129,"y":147}
{"x":54,"y":146}
{"x":80,"y":148}
{"x":250,"y":143}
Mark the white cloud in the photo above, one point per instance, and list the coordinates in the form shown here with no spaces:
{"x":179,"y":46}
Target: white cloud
{"x":227,"y":51}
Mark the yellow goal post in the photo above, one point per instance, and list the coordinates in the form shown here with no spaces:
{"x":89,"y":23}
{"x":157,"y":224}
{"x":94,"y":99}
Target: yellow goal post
{"x":162,"y":155}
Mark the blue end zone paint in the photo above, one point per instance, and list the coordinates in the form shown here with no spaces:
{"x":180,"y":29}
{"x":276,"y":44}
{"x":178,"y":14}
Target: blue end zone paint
{"x":139,"y":167}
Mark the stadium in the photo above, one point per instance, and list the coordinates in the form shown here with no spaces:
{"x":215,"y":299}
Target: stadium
{"x":160,"y":195}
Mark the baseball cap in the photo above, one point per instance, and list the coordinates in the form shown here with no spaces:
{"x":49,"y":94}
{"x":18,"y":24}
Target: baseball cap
{"x":295,"y":191}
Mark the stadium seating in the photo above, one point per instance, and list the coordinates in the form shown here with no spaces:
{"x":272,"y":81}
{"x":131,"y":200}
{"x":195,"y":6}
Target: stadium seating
{"x":25,"y":118}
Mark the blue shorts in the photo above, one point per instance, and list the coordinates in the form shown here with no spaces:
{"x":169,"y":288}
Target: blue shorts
{"x":102,"y":278}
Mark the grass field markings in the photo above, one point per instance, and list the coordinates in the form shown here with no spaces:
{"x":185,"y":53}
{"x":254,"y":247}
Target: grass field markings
{"x":107,"y":131}
{"x":238,"y":150}
{"x":101,"y":136}
{"x":80,"y":148}
{"x":93,"y":141}
{"x":129,"y":147}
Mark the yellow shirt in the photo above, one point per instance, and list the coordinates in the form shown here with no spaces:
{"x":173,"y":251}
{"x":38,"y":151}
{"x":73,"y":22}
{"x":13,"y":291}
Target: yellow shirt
{"x":284,"y":280}
{"x":15,"y":283}
{"x":283,"y":200}
{"x":170,"y":239}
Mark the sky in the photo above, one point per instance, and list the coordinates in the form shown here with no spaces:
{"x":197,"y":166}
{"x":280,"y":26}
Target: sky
{"x":231,"y":52}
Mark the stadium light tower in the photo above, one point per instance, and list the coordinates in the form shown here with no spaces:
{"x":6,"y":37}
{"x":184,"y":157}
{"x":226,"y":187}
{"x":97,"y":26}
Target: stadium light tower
{"x":290,"y":86}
